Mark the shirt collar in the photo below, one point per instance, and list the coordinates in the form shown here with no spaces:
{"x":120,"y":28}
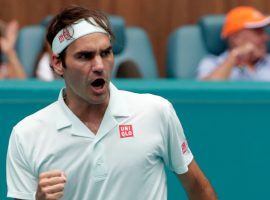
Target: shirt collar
{"x":117,"y":110}
{"x":63,"y":120}
{"x":118,"y":104}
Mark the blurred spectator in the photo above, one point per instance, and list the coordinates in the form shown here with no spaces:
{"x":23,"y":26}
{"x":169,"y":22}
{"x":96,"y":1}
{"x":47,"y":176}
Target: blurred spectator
{"x":10,"y":66}
{"x":128,"y":69}
{"x":42,"y":70}
{"x":246,"y":57}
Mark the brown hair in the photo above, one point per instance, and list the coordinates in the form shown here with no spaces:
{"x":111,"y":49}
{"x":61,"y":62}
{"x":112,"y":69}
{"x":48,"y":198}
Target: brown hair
{"x":128,"y":69}
{"x":72,"y":14}
{"x":69,"y":16}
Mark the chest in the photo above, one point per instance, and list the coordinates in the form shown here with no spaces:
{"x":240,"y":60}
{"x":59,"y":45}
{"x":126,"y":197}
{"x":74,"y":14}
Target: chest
{"x":131,"y":144}
{"x":132,"y":150}
{"x":260,"y":73}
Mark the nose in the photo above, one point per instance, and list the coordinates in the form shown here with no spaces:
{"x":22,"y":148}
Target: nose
{"x":97,"y":64}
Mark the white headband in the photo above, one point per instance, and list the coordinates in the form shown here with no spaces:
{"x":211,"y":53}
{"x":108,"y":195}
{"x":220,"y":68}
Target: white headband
{"x":67,"y":35}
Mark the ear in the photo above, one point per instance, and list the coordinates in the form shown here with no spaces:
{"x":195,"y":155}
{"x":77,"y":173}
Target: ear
{"x":57,"y":65}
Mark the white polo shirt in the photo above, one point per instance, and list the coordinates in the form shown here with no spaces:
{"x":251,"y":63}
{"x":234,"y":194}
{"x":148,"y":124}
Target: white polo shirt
{"x":124,"y":160}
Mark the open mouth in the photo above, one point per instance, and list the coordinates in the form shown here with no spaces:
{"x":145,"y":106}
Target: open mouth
{"x":98,"y":84}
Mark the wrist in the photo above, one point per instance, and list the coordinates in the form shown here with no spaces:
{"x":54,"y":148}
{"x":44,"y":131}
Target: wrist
{"x":231,"y":59}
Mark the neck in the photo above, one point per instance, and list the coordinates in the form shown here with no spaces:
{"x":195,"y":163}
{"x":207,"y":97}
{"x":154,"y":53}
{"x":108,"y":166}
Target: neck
{"x":90,"y":114}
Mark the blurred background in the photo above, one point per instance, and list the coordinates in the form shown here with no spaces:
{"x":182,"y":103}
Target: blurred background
{"x":158,"y":17}
{"x":226,"y":122}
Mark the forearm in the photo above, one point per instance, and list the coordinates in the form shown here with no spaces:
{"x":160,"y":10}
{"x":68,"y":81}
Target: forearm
{"x":196,"y":184}
{"x":202,"y":192}
{"x":15,"y":69}
{"x":223,"y":71}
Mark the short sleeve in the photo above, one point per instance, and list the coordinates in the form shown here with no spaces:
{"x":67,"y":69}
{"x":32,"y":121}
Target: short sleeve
{"x":206,"y":66}
{"x":177,"y":155}
{"x":21,"y":181}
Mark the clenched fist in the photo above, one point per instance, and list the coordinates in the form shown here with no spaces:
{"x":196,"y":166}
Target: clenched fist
{"x":246,"y":54}
{"x":51,"y":185}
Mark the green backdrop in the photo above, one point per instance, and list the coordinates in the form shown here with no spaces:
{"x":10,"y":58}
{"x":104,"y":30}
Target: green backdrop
{"x":226,"y":123}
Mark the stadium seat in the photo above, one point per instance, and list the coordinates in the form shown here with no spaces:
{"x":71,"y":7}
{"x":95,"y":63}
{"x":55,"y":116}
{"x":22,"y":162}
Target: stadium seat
{"x":138,"y":49}
{"x":29,"y":44}
{"x":131,"y":43}
{"x":211,"y":27}
{"x":184,"y":50}
{"x":187,"y":45}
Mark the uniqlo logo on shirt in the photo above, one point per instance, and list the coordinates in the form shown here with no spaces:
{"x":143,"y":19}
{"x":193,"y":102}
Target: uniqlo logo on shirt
{"x":125,"y":131}
{"x":184,"y":147}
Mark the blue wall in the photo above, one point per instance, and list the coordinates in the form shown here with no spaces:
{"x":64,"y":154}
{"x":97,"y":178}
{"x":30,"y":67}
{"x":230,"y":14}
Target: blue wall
{"x":227,"y":125}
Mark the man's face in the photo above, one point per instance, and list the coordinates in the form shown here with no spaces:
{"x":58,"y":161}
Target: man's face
{"x":89,"y":61}
{"x":258,"y":37}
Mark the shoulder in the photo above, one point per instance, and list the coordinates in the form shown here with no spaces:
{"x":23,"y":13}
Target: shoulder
{"x":208,"y":58}
{"x":264,"y":63}
{"x":145,"y":102}
{"x":206,"y":65}
{"x":267,"y":59}
{"x":209,"y":63}
{"x":213,"y":59}
{"x":38,"y":119}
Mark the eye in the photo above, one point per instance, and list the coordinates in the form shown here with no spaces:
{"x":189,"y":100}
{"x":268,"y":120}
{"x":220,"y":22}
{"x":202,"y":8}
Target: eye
{"x":106,"y":53}
{"x":85,"y":55}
